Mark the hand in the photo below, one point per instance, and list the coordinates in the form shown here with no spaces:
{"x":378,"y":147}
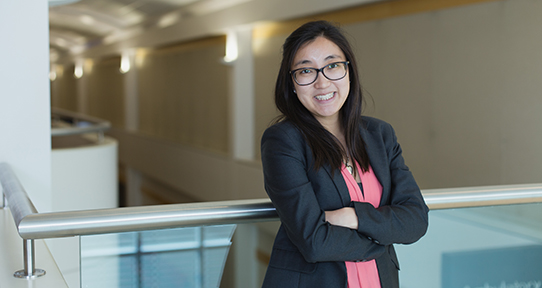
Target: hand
{"x":345,"y":217}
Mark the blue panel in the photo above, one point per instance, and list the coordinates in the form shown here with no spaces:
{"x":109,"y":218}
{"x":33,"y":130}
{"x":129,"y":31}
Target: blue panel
{"x":513,"y":267}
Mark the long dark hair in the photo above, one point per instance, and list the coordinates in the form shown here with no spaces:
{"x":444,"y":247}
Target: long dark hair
{"x":326,"y":148}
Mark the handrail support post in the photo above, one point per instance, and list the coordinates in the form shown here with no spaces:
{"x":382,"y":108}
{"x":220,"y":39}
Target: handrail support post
{"x":29,"y":271}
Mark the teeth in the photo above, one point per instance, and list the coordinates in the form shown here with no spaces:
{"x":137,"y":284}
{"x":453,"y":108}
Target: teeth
{"x":324,"y":97}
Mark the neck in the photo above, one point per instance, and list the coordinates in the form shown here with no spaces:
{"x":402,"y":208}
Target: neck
{"x":332,"y":125}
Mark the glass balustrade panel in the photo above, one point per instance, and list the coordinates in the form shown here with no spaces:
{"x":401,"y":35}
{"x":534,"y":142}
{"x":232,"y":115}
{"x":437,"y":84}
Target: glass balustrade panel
{"x":183,"y":257}
{"x":483,"y":247}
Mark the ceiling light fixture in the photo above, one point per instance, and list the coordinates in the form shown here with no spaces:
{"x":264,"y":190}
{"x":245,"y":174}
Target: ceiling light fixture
{"x":61,"y":42}
{"x":125,"y":64}
{"x":52,"y":73}
{"x":78,"y":71}
{"x":232,"y":50}
{"x":168,"y":20}
{"x":88,"y":20}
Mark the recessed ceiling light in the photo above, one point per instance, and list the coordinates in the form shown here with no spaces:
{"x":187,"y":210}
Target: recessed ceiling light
{"x":61,"y":42}
{"x":168,"y":20}
{"x":87,"y":19}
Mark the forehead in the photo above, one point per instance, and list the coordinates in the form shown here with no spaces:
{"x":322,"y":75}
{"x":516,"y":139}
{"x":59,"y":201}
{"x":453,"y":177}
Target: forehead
{"x":318,"y":51}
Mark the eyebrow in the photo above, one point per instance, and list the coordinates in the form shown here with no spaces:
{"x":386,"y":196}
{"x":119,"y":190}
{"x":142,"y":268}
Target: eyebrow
{"x":330,"y":57}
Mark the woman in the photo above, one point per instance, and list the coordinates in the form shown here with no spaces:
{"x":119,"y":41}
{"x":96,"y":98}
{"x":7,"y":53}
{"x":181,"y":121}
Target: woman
{"x":337,"y":179}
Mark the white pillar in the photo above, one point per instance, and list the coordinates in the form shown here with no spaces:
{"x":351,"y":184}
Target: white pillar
{"x":242,"y":145}
{"x":25,"y":120}
{"x":242,"y":96}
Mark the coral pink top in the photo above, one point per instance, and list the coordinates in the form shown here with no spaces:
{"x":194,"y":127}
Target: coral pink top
{"x":363,"y":274}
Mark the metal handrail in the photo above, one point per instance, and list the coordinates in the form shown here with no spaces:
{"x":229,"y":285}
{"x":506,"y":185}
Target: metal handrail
{"x":33,"y":225}
{"x":482,"y":196}
{"x":102,"y":221}
{"x":20,"y":206}
{"x":96,"y":125}
{"x":19,"y":202}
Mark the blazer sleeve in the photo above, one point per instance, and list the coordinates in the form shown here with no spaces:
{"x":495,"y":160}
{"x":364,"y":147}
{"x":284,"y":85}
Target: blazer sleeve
{"x":286,"y":182}
{"x":404,"y":218}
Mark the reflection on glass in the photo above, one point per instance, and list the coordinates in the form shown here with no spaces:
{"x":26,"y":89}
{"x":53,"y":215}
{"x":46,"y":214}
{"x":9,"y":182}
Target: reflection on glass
{"x":184,"y":257}
{"x":484,"y":247}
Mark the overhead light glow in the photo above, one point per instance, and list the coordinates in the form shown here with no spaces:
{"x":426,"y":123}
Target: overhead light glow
{"x":168,"y":20}
{"x":61,"y":42}
{"x":77,"y":49}
{"x":125,"y":62}
{"x":140,"y":55}
{"x":88,"y":20}
{"x":78,"y":71}
{"x":52,"y":75}
{"x":232,"y":50}
{"x":52,"y":72}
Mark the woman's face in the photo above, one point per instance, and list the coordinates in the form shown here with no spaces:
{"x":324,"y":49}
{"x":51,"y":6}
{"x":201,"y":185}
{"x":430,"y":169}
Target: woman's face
{"x":323,"y":98}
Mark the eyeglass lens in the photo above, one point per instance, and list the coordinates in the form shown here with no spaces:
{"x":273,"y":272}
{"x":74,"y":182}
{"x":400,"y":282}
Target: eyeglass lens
{"x":333,"y":71}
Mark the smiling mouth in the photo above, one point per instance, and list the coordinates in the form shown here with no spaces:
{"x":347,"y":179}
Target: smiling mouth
{"x":324,"y":97}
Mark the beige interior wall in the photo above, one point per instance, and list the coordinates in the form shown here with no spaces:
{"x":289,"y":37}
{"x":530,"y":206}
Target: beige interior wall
{"x":459,"y":85}
{"x":267,"y":56}
{"x":63,"y":89}
{"x":183,"y":95}
{"x":105,"y":91}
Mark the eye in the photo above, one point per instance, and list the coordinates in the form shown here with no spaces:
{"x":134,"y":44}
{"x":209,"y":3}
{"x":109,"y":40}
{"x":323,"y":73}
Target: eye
{"x":332,"y":65}
{"x":305,"y":71}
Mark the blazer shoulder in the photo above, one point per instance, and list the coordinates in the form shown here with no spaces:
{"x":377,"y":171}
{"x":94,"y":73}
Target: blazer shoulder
{"x":374,"y":124}
{"x":283,"y":129}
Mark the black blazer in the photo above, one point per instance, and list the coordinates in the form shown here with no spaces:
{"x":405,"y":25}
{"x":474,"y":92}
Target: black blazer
{"x":310,"y":252}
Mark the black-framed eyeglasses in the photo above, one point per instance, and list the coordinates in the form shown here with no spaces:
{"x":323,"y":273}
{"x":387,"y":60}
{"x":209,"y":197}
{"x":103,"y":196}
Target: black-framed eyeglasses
{"x":332,"y":71}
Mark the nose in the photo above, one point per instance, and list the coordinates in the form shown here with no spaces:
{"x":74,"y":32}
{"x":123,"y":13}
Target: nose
{"x":321,"y":81}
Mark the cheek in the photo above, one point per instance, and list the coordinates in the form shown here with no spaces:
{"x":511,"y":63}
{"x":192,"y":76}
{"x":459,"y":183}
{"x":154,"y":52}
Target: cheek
{"x":303,"y":96}
{"x":301,"y":91}
{"x":345,"y":87}
{"x":344,"y":84}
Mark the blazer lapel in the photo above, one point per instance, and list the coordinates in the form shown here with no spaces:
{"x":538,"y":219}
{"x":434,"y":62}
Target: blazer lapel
{"x":340,"y":185}
{"x":378,"y":160}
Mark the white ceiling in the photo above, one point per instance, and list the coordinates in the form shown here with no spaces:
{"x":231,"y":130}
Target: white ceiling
{"x":76,"y":25}
{"x":97,"y":27}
